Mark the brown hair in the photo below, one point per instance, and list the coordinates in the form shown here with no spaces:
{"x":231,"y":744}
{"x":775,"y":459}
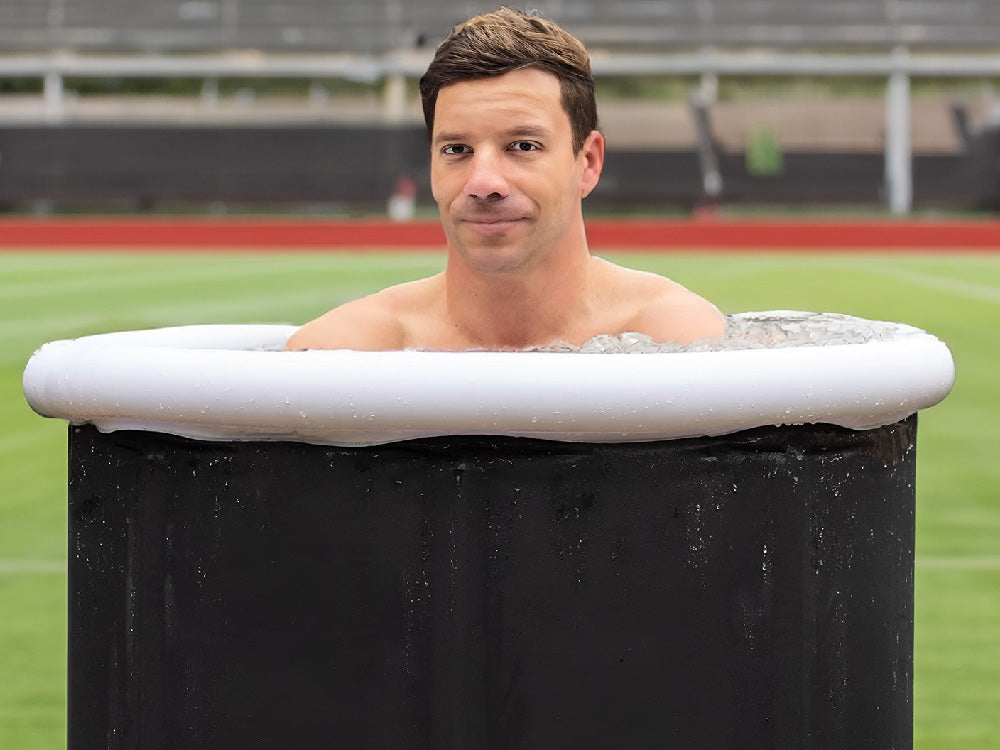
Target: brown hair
{"x":507,"y":40}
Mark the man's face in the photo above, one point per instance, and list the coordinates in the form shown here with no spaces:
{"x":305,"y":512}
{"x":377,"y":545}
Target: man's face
{"x":503,"y":171}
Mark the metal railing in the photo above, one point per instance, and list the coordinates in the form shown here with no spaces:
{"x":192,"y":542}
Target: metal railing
{"x":378,"y":26}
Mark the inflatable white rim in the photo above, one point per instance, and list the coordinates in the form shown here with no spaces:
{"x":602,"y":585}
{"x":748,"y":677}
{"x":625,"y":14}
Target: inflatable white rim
{"x":227,"y":382}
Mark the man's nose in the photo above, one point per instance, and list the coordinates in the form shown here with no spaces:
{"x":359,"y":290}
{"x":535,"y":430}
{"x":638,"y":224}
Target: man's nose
{"x":487,"y":179}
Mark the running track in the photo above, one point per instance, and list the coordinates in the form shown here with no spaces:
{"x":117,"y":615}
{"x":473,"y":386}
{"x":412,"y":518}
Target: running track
{"x":185,"y":233}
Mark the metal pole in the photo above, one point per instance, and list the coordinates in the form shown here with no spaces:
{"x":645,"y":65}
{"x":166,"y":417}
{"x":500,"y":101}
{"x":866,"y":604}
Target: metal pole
{"x":394,"y":98}
{"x":53,"y":96}
{"x":898,"y":162}
{"x":711,"y":176}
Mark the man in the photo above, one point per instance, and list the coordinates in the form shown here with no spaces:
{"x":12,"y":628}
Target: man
{"x":509,"y":105}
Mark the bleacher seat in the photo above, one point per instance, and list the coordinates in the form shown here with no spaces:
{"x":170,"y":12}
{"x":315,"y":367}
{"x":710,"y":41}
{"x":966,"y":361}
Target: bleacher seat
{"x":376,"y":26}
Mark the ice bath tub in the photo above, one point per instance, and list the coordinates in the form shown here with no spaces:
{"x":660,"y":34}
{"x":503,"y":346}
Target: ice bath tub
{"x":699,"y":549}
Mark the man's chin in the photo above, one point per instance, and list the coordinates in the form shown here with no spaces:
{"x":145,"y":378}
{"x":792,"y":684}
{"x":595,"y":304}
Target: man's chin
{"x":494,"y":257}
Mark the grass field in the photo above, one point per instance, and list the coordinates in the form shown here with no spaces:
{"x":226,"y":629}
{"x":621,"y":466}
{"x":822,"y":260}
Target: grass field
{"x":957,"y":297}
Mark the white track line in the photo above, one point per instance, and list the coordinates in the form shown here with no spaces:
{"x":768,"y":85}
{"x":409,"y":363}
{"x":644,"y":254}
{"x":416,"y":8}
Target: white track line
{"x":957,"y":287}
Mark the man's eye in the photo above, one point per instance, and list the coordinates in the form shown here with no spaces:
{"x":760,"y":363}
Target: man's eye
{"x":456,"y":149}
{"x":523,"y":146}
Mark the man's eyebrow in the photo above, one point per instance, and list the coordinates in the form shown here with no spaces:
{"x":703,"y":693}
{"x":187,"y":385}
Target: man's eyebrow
{"x":518,"y":131}
{"x":449,"y":138}
{"x":532,"y":131}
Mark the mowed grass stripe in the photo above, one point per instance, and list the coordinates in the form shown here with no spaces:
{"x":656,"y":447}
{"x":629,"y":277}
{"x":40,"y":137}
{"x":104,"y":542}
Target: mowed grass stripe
{"x":136,"y":311}
{"x":163,"y":280}
{"x":33,"y":513}
{"x":959,"y":563}
{"x":139,"y":277}
{"x":166,"y":290}
{"x":27,"y":442}
{"x":32,"y":567}
{"x":158,"y":271}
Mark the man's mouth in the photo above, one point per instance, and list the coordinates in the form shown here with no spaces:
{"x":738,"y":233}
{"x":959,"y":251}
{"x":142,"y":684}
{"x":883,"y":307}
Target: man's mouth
{"x":491,"y":221}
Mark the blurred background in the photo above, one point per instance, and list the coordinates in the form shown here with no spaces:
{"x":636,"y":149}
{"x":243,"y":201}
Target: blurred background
{"x":310,"y":106}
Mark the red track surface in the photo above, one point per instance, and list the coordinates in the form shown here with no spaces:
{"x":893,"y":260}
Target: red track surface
{"x":663,"y":235}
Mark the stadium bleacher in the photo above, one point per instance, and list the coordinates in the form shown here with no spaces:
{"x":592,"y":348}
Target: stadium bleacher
{"x":377,"y":26}
{"x":128,"y":36}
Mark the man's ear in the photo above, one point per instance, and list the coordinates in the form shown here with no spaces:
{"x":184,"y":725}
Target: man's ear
{"x":592,"y":158}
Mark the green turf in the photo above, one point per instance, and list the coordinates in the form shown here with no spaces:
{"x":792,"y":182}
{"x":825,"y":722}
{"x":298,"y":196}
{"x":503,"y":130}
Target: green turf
{"x":957,"y":297}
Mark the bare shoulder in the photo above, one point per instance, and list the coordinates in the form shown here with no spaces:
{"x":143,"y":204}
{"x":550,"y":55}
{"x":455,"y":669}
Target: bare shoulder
{"x":680,"y":316}
{"x":372,"y":323}
{"x":663,"y":309}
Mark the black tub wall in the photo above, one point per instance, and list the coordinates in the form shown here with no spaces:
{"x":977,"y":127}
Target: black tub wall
{"x":747,"y":591}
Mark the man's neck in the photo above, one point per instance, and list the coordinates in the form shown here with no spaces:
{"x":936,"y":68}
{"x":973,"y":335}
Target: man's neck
{"x":519,"y":309}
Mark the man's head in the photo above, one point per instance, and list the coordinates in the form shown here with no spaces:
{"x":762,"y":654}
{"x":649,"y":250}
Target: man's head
{"x":507,"y":40}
